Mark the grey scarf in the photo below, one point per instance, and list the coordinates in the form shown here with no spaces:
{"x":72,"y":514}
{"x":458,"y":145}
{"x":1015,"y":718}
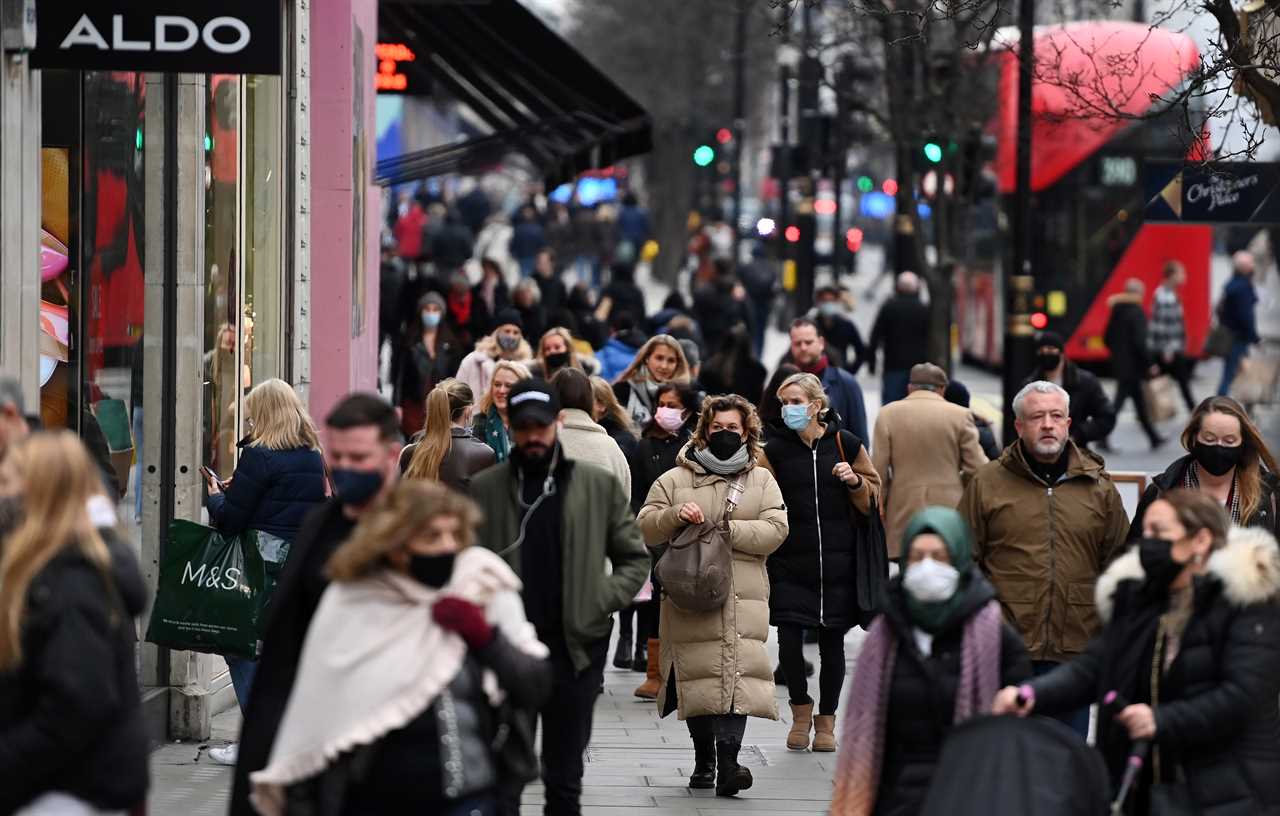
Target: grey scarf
{"x":722,"y":467}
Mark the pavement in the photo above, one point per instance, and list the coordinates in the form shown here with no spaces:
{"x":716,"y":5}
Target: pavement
{"x":636,"y":763}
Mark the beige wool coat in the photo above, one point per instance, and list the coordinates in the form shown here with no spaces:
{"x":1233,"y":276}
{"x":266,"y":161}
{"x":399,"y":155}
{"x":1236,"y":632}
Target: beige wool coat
{"x":924,"y":449}
{"x":718,"y":657}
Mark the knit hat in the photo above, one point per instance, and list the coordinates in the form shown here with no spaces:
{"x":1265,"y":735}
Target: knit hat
{"x":508,"y":317}
{"x":431,"y":298}
{"x":1049,"y":338}
{"x":957,"y":393}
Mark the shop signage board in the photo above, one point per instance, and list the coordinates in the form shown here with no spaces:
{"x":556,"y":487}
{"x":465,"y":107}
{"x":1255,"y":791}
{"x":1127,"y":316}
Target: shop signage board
{"x":219,"y":37}
{"x":1215,"y":193}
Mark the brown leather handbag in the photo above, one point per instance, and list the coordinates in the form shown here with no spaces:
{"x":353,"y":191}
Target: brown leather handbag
{"x":696,"y":571}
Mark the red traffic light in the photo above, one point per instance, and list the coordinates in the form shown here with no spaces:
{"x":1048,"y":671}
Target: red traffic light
{"x":724,"y":135}
{"x":1039,"y":321}
{"x":890,"y":187}
{"x":853,"y":239}
{"x":792,"y":234}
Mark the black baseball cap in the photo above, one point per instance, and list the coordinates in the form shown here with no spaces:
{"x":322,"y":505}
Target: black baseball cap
{"x":533,"y":402}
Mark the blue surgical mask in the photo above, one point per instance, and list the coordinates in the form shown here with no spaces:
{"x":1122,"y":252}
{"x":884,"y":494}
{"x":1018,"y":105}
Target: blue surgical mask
{"x":430,"y":320}
{"x":796,"y":417}
{"x":829,"y":308}
{"x":356,"y":488}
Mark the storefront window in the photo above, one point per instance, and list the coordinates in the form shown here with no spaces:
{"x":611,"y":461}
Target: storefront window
{"x":92,"y":285}
{"x":243,"y":254}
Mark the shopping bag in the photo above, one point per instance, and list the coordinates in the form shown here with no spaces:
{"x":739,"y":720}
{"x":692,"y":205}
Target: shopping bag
{"x":1255,"y":382}
{"x":211,"y":592}
{"x":1161,"y":397}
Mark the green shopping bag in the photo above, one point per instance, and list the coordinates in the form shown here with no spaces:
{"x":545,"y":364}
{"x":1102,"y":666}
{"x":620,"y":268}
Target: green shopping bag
{"x":211,"y":592}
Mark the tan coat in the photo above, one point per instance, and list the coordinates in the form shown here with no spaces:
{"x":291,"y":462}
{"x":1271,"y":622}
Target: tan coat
{"x":718,"y":657}
{"x":924,"y":449}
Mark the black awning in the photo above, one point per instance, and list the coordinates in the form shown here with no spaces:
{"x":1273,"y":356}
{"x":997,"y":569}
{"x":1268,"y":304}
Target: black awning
{"x":541,"y":97}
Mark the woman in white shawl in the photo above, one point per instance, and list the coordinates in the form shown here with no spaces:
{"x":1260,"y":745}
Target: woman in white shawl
{"x":414,"y":645}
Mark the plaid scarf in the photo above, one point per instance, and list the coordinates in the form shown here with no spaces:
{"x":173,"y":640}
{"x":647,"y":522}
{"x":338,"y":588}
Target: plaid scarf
{"x":862,"y":743}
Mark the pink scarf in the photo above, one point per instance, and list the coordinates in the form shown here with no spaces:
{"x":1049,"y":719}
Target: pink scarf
{"x":862,"y":744}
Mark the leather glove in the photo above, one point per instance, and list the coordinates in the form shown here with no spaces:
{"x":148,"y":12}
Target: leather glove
{"x":465,"y":618}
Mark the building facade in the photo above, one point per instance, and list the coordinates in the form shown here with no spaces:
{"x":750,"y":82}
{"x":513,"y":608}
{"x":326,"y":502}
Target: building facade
{"x":174,"y":234}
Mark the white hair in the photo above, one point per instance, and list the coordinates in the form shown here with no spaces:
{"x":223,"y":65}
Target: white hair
{"x":1039,"y":387}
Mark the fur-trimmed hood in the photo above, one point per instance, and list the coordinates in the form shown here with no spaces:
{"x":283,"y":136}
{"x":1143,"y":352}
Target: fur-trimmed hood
{"x":1248,"y":567}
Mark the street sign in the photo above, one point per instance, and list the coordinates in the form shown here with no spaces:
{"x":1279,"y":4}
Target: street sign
{"x":1217,"y":193}
{"x":220,"y":37}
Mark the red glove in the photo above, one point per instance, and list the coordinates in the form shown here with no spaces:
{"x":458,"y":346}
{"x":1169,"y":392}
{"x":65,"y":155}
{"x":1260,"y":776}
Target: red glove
{"x":466,"y":619}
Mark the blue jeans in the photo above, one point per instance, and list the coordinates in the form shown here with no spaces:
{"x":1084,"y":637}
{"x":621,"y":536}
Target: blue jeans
{"x":1078,"y":720}
{"x":1231,"y":366}
{"x":894,"y":385}
{"x":242,"y":672}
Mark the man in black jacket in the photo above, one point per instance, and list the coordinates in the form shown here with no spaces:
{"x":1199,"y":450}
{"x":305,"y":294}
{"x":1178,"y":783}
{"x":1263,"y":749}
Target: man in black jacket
{"x":844,"y":341}
{"x":1092,"y":415}
{"x":902,"y":330}
{"x":1126,"y":338}
{"x":362,"y":450}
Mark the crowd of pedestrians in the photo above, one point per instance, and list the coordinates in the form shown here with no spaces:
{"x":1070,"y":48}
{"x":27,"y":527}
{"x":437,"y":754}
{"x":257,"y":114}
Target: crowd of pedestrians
{"x":447,"y":565}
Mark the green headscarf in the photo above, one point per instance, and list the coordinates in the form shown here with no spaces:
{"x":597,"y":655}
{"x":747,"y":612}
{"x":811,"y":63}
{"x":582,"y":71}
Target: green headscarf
{"x":954,"y":531}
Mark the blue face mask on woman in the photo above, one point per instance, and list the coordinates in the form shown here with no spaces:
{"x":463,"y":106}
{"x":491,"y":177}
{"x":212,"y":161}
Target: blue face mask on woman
{"x":796,"y":417}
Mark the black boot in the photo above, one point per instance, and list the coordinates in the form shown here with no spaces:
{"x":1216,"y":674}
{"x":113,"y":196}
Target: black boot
{"x":731,"y":777}
{"x":641,"y":662}
{"x":704,"y":764}
{"x":622,"y":654}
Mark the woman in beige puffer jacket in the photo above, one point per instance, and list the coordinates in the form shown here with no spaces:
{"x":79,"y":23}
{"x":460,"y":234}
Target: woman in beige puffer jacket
{"x":715,"y":670}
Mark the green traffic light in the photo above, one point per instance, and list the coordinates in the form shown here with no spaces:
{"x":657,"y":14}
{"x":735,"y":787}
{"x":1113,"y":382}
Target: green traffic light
{"x":933,"y":152}
{"x":865,"y":184}
{"x":704,"y":155}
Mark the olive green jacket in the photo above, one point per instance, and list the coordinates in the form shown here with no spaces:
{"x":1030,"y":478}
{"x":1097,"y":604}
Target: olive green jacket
{"x":598,"y":531}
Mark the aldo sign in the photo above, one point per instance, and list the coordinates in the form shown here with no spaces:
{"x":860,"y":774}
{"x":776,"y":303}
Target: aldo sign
{"x":219,"y":37}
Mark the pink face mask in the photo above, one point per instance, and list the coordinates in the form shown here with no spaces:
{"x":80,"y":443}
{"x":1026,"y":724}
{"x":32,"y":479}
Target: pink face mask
{"x":669,"y":419}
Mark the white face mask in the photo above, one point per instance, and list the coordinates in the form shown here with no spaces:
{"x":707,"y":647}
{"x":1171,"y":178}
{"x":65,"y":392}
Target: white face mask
{"x":930,"y":581}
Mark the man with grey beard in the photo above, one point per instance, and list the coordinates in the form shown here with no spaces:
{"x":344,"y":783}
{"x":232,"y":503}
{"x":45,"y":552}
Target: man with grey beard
{"x":1046,"y":520}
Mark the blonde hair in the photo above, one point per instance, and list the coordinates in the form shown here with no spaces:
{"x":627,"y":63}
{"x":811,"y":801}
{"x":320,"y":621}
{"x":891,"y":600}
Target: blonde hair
{"x":603,"y":394}
{"x":519,"y":369}
{"x":730,"y":402}
{"x":565,"y":335}
{"x":642,"y":357}
{"x":388,"y":526}
{"x":812,"y":388}
{"x":280,"y":421}
{"x":58,"y":479}
{"x":445,"y":404}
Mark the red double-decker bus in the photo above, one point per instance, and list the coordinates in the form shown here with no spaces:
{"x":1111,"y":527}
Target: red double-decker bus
{"x":1088,"y":234}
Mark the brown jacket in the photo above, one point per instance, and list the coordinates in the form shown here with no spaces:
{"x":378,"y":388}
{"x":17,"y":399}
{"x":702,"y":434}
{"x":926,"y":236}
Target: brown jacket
{"x":1044,"y":547}
{"x":924,"y":449}
{"x":719,"y":658}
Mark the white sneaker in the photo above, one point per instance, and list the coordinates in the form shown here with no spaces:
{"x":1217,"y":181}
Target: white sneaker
{"x":226,"y":755}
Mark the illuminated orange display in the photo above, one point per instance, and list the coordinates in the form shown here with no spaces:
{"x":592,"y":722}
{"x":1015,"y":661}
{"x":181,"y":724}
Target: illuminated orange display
{"x":390,"y":56}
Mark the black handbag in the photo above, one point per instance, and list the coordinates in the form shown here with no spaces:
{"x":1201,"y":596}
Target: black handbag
{"x":871,"y":555}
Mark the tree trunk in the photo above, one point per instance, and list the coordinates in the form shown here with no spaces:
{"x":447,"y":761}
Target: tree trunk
{"x":670,"y":195}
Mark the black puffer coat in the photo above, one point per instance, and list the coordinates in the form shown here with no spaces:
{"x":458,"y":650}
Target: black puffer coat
{"x":922,"y":694}
{"x":71,"y":716}
{"x":1216,"y":713}
{"x":1266,"y":516}
{"x":655,"y":455}
{"x":812,"y":575}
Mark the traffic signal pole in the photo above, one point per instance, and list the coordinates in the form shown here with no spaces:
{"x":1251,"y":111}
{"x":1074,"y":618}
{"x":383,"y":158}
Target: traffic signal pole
{"x":1019,"y":340}
{"x":739,"y":121}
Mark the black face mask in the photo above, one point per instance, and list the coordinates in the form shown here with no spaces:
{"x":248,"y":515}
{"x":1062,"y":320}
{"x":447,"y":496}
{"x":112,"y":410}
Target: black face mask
{"x":724,"y":444}
{"x":1048,"y":362}
{"x":559,"y":360}
{"x":1156,"y":556}
{"x":432,"y":570}
{"x":1217,"y":459}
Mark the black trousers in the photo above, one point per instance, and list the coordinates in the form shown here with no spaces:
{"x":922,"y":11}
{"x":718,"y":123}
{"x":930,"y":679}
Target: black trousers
{"x":1126,"y":389}
{"x":566,"y":731}
{"x":830,"y":675}
{"x":1181,"y":369}
{"x":717,"y":727}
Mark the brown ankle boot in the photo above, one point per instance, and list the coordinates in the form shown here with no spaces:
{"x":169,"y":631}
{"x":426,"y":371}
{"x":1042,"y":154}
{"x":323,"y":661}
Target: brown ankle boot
{"x":648,"y":690}
{"x":824,"y":738}
{"x":801,"y":724}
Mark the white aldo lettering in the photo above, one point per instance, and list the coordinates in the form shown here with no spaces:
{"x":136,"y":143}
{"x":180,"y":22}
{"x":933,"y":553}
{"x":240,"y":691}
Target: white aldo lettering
{"x":119,"y":43}
{"x":225,"y":22}
{"x":84,"y":33}
{"x":165,"y":22}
